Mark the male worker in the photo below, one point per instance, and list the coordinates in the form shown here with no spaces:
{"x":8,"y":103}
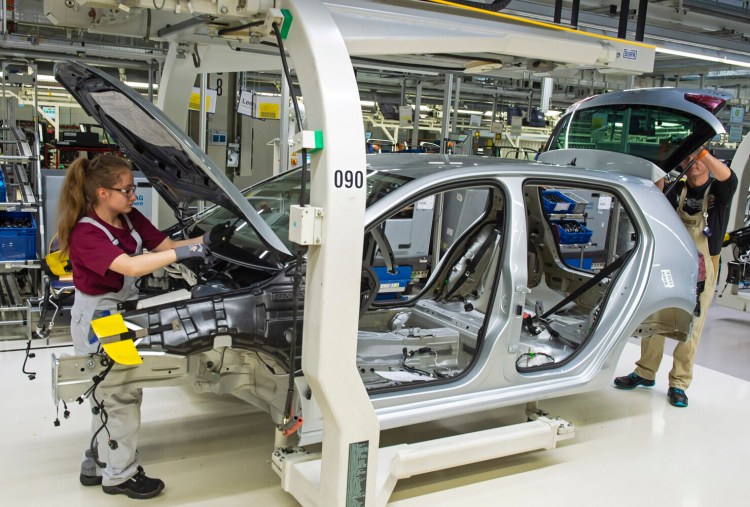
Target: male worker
{"x":702,"y":201}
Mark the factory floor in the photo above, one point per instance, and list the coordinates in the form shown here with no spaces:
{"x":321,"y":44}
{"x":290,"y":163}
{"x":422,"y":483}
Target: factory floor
{"x":630,"y":448}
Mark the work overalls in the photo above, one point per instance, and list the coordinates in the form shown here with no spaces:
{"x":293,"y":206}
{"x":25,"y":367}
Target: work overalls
{"x":124,"y":407}
{"x":652,"y":348}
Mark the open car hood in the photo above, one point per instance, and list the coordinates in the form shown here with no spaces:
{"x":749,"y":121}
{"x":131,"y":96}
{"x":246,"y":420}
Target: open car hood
{"x":172,"y":162}
{"x":659,"y":125}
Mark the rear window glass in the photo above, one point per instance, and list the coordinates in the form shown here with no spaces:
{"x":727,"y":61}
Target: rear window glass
{"x":649,"y":132}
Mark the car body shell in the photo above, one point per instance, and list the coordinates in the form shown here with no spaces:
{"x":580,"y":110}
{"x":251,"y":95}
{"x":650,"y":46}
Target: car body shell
{"x":243,"y":327}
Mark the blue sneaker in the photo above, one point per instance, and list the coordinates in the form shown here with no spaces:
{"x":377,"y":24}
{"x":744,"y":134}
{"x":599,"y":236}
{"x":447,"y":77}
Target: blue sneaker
{"x":632,"y":381}
{"x":677,"y":397}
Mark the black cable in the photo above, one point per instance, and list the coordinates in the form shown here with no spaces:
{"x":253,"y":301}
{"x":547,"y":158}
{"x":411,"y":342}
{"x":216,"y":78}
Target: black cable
{"x":104,"y":417}
{"x":293,"y":96}
{"x":232,"y":29}
{"x":38,"y":348}
{"x":297,"y":275}
{"x":99,"y":409}
{"x":410,"y":353}
{"x":270,"y":368}
{"x":221,"y":361}
{"x":29,"y":355}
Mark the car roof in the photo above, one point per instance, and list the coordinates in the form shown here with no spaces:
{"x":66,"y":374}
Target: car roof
{"x":418,"y":165}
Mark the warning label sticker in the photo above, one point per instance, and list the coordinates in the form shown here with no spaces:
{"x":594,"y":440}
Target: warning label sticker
{"x":666,"y":278}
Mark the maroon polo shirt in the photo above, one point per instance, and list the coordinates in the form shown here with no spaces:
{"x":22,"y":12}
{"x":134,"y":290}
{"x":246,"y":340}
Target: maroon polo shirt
{"x":91,"y":251}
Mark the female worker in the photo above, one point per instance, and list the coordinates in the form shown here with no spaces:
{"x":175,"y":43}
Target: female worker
{"x":105,"y":237}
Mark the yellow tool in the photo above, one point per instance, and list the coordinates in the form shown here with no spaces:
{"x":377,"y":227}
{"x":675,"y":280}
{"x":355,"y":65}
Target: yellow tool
{"x":109,"y":331}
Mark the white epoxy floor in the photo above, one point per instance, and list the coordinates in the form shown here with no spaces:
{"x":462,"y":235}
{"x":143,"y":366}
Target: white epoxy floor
{"x":631,"y":448}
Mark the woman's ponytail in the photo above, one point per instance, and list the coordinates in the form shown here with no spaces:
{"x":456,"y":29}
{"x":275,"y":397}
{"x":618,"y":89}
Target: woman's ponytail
{"x":78,"y":194}
{"x":73,"y":202}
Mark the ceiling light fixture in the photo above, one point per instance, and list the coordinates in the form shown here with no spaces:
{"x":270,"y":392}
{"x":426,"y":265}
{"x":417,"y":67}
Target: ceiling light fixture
{"x":716,"y":59}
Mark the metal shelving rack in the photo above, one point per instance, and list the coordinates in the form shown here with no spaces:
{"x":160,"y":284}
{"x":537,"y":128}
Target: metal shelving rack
{"x":21,"y":167}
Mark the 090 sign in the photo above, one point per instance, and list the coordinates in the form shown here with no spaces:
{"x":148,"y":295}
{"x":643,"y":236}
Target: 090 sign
{"x":348,"y":179}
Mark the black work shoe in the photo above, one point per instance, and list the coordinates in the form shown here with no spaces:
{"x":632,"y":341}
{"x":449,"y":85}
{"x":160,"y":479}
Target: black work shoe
{"x":139,"y":486}
{"x":91,"y":480}
{"x":631,"y":381}
{"x":677,"y":397}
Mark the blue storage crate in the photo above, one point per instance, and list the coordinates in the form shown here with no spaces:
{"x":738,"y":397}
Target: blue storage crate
{"x":554,"y":201}
{"x":392,"y":284}
{"x":575,"y":262}
{"x":3,"y":193}
{"x":573,"y":238}
{"x":17,"y":243}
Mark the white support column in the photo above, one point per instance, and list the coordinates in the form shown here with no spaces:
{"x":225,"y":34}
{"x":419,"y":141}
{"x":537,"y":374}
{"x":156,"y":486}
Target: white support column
{"x":203,"y":120}
{"x":630,"y":82}
{"x":351,"y":436}
{"x":547,"y":83}
{"x":283,"y":160}
{"x":456,"y":101}
{"x":446,"y":112}
{"x":417,"y":110}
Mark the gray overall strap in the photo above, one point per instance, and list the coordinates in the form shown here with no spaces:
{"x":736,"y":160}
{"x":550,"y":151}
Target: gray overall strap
{"x":115,"y":241}
{"x":89,"y":220}
{"x":134,"y":233}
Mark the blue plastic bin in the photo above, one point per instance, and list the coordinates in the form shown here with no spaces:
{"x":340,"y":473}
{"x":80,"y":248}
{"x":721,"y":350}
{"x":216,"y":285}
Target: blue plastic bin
{"x":3,"y":193}
{"x":563,"y":203}
{"x":17,"y":243}
{"x":392,"y":284}
{"x":575,"y":262}
{"x":573,"y":238}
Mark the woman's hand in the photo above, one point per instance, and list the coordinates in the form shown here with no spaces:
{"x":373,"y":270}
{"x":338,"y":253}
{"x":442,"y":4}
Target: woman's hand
{"x":219,"y":233}
{"x":192,"y":250}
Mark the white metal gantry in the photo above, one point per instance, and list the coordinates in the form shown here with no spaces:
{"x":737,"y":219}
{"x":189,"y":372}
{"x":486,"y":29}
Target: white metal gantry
{"x":352,"y":469}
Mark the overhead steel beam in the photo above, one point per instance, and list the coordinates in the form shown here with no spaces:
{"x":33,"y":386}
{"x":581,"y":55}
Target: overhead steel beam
{"x":656,"y":35}
{"x":558,"y":11}
{"x":640,"y":23}
{"x":118,"y":56}
{"x":424,"y":28}
{"x":574,"y":11}
{"x":622,"y":26}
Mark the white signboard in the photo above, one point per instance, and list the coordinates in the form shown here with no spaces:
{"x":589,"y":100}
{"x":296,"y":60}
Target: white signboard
{"x":735,"y":133}
{"x":515,"y":126}
{"x":737,"y":114}
{"x":405,"y":116}
{"x":255,"y":105}
{"x":246,"y":103}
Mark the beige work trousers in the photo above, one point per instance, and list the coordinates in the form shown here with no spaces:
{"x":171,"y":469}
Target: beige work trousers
{"x":652,"y":349}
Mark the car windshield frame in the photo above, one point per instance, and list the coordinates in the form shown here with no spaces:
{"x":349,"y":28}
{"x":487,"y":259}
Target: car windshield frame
{"x":664,"y":136}
{"x":271,"y":199}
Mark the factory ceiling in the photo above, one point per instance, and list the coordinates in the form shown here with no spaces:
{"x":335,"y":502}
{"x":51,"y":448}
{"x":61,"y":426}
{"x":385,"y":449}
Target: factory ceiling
{"x":694,"y":38}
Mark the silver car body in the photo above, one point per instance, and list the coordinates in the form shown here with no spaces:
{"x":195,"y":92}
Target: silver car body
{"x":464,"y":334}
{"x":640,"y":292}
